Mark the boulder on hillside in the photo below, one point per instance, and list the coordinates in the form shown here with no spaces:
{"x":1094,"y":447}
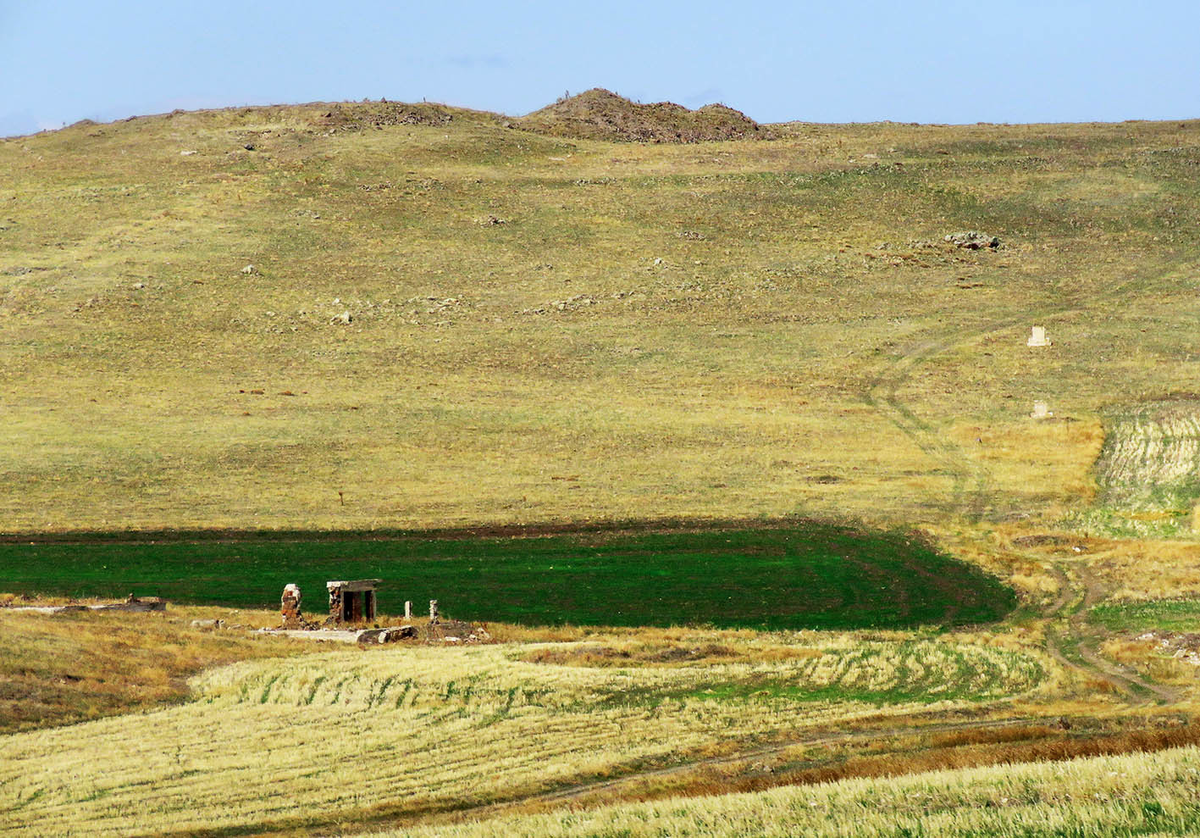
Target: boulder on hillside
{"x":972,"y":240}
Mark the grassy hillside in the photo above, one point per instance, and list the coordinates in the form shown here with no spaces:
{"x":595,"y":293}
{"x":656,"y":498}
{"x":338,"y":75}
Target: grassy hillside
{"x":545,"y":328}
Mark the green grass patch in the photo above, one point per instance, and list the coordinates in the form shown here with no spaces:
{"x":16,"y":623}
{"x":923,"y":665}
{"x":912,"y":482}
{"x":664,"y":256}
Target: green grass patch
{"x":815,"y":575}
{"x":1169,"y":614}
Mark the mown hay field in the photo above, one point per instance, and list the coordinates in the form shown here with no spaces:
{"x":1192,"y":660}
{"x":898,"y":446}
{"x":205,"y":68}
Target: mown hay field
{"x":1149,"y":471}
{"x":1137,"y":794}
{"x":340,"y":737}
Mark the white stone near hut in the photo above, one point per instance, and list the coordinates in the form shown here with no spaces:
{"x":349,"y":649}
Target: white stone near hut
{"x":1038,"y":337}
{"x":1040,"y":411}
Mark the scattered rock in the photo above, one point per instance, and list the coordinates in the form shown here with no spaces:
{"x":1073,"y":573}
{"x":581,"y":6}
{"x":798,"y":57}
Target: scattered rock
{"x":342,"y":319}
{"x":1182,"y":647}
{"x":573,"y":303}
{"x":454,"y":632}
{"x":493,"y":221}
{"x":138,"y":286}
{"x":570,"y":304}
{"x":366,"y":115}
{"x":972,"y":240}
{"x":208,"y":625}
{"x":249,"y":270}
{"x":386,"y":635}
{"x":187,"y":152}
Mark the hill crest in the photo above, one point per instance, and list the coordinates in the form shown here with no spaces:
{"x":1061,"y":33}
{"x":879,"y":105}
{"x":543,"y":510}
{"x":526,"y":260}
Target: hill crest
{"x":600,"y":114}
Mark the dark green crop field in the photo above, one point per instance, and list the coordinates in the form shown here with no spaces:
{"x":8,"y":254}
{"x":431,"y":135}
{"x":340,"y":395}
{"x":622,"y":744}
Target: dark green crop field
{"x":819,"y":576}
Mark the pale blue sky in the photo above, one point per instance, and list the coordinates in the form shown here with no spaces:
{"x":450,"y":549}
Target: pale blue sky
{"x":853,"y":60}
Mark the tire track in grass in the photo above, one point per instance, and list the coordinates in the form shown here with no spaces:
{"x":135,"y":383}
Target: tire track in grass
{"x":398,"y":816}
{"x":971,"y":482}
{"x":970,"y":479}
{"x":882,"y":390}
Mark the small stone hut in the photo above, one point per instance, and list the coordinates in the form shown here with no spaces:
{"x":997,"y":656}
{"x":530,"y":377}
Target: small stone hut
{"x":352,"y":602}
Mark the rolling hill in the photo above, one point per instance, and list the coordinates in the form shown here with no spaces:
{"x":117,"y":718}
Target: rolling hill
{"x":372,"y":315}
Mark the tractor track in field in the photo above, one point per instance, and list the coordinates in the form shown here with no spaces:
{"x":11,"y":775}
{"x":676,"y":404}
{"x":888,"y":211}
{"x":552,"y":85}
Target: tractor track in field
{"x":881,"y":392}
{"x":592,"y":793}
{"x":814,"y":740}
{"x":578,"y":793}
{"x":1079,"y":590}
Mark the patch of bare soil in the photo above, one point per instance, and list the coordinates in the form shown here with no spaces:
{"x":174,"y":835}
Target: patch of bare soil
{"x":601,"y":114}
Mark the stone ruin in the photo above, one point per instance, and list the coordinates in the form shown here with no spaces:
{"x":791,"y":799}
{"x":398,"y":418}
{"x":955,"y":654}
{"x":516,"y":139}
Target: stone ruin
{"x":352,"y":602}
{"x":289,"y":610}
{"x":1038,"y":337}
{"x":355,"y":602}
{"x":290,"y":606}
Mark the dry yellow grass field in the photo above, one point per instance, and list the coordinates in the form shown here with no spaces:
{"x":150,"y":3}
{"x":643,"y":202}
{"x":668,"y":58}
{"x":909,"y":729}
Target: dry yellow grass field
{"x":706,"y":330}
{"x":72,"y":668}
